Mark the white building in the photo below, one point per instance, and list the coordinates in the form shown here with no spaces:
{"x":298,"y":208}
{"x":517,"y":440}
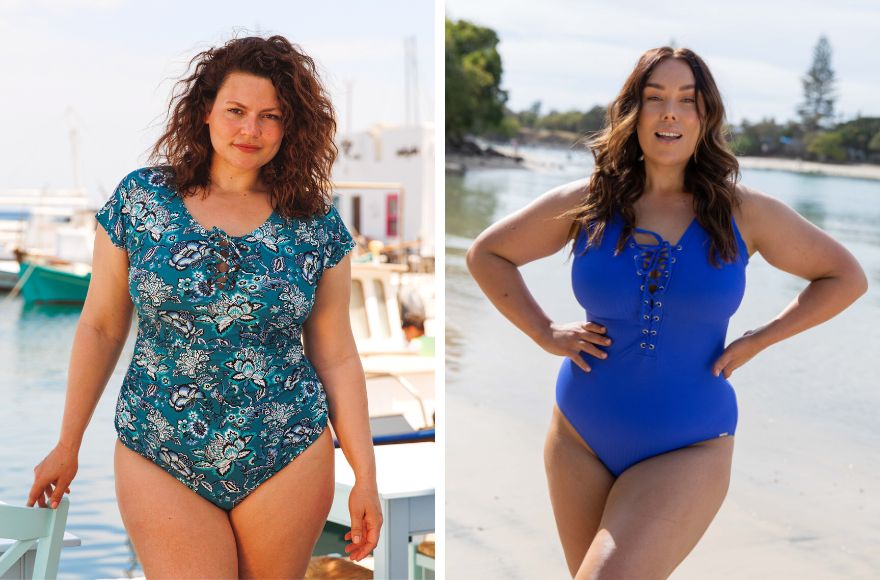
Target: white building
{"x":389,"y":155}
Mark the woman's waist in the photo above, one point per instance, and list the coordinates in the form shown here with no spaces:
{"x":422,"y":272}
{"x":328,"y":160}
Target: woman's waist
{"x":262,"y":367}
{"x":219,"y":347}
{"x":643,"y":381}
{"x":239,"y":386}
{"x":178,"y":329}
{"x":656,"y":334}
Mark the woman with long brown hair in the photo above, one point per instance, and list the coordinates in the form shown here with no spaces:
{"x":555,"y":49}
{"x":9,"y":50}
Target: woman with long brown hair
{"x":640,"y":445}
{"x":231,"y":251}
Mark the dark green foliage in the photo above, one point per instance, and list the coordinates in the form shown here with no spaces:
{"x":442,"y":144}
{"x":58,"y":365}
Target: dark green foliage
{"x":474,"y":98}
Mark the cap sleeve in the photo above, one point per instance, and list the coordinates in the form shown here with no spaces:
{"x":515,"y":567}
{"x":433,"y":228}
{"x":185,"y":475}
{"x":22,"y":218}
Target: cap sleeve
{"x":111,"y":216}
{"x":339,"y":240}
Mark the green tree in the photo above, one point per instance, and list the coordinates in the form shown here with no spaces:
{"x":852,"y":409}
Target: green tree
{"x":574,"y":120}
{"x":594,"y":119}
{"x":827,"y":146}
{"x":761,"y":138}
{"x":474,"y":98}
{"x":817,"y":110}
{"x":745,"y":144}
{"x":529,"y":118}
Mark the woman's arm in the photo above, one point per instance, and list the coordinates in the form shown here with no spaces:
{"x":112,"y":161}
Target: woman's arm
{"x":793,"y":244}
{"x":331,"y":348}
{"x":100,"y":336}
{"x":534,"y":232}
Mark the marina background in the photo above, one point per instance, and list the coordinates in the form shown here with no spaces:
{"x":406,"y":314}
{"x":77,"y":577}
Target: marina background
{"x":112,"y":63}
{"x":86,"y":97}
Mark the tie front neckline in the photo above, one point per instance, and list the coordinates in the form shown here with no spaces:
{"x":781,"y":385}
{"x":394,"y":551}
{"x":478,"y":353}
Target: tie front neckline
{"x":659,"y":238}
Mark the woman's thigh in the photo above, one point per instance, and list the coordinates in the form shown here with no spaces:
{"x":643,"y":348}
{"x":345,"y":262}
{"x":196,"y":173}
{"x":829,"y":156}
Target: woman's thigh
{"x":578,"y":484}
{"x":277,"y":525}
{"x":175,"y":532}
{"x":657,"y":511}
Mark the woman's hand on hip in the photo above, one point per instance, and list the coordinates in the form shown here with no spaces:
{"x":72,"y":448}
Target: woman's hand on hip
{"x":52,"y":476}
{"x":737,"y":353}
{"x":366,"y":520}
{"x":573,"y":338}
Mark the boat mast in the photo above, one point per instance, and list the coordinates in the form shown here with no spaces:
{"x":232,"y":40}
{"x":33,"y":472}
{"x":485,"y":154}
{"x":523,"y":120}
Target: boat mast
{"x":74,"y":155}
{"x":411,"y":81}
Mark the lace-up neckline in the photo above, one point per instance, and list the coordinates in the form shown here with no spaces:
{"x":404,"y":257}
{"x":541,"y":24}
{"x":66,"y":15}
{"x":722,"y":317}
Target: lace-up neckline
{"x":659,"y":238}
{"x":653,"y":264}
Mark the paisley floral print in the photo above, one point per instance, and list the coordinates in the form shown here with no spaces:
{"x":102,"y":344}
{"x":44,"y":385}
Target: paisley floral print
{"x":218,"y":392}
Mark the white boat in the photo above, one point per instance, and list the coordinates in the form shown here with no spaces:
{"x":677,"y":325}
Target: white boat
{"x":400,"y":380}
{"x":58,"y":224}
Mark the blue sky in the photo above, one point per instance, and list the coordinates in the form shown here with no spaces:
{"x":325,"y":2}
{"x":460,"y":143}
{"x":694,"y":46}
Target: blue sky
{"x":576,"y":54}
{"x":114,"y":62}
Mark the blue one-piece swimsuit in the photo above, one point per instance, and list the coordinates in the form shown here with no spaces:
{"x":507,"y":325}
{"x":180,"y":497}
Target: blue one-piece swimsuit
{"x":219,"y":392}
{"x":666,"y":310}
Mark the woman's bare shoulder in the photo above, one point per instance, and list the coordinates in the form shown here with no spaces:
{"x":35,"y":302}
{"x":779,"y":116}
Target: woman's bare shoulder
{"x":536,"y":230}
{"x":766,"y":221}
{"x":569,"y":195}
{"x":752,"y":207}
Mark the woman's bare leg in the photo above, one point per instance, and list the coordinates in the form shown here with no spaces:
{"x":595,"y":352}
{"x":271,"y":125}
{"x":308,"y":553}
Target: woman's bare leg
{"x":175,"y":532}
{"x":658,"y":510}
{"x":579,"y":484}
{"x":277,"y":525}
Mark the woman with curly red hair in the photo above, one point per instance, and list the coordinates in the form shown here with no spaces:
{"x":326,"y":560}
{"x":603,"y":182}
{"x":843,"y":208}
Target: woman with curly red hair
{"x":231,"y":252}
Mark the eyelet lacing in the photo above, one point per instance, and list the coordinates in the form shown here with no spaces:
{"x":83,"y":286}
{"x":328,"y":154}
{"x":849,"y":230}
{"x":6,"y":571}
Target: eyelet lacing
{"x":653,"y":262}
{"x":227,"y":259}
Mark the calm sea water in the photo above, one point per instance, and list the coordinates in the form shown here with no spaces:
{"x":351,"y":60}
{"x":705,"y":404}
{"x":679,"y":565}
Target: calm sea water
{"x":35,"y":345}
{"x":806,"y":477}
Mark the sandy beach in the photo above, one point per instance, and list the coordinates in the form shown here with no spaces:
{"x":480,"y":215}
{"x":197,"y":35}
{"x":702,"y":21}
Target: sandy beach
{"x":860,"y":171}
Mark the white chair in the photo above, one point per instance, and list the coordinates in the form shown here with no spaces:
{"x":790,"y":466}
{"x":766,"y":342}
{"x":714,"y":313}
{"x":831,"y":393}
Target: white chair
{"x":29,"y":526}
{"x":421,"y":559}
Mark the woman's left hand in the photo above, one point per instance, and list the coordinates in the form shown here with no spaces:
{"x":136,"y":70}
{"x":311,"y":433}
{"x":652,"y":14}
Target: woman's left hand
{"x":738,"y":353}
{"x":366,"y":520}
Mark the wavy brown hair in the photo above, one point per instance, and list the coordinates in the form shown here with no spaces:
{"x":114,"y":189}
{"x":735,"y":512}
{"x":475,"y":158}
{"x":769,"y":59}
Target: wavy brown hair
{"x":298,"y":177}
{"x":618,"y":179}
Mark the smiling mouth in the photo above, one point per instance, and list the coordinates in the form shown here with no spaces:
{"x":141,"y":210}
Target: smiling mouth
{"x":667,"y":135}
{"x":247,"y":147}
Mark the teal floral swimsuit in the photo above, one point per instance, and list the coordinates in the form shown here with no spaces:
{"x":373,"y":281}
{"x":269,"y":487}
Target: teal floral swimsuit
{"x":219,"y":392}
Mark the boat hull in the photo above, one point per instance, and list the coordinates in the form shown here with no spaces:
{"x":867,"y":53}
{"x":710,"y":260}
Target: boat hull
{"x":46,"y":284}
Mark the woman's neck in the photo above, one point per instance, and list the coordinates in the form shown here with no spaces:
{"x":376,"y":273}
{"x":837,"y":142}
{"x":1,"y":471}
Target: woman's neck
{"x":227,"y":179}
{"x":662,"y":182}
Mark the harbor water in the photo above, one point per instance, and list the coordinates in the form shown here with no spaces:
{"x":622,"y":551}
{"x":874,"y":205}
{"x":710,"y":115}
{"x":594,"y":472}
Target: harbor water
{"x":35,"y":344}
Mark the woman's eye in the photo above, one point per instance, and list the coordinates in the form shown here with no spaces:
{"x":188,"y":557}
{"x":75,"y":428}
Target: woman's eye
{"x":653,"y":97}
{"x":234,"y":110}
{"x":273,"y":117}
{"x":689,"y":100}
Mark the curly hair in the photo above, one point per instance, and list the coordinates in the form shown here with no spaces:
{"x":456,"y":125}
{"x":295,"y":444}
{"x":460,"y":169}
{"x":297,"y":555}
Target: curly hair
{"x":618,"y":178}
{"x":298,"y":177}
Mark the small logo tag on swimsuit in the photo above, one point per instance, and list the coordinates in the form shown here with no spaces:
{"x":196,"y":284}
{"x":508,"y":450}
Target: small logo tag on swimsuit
{"x":723,"y":435}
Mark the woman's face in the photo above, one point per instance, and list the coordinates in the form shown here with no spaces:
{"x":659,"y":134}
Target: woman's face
{"x":669,"y":105}
{"x":245,"y":122}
